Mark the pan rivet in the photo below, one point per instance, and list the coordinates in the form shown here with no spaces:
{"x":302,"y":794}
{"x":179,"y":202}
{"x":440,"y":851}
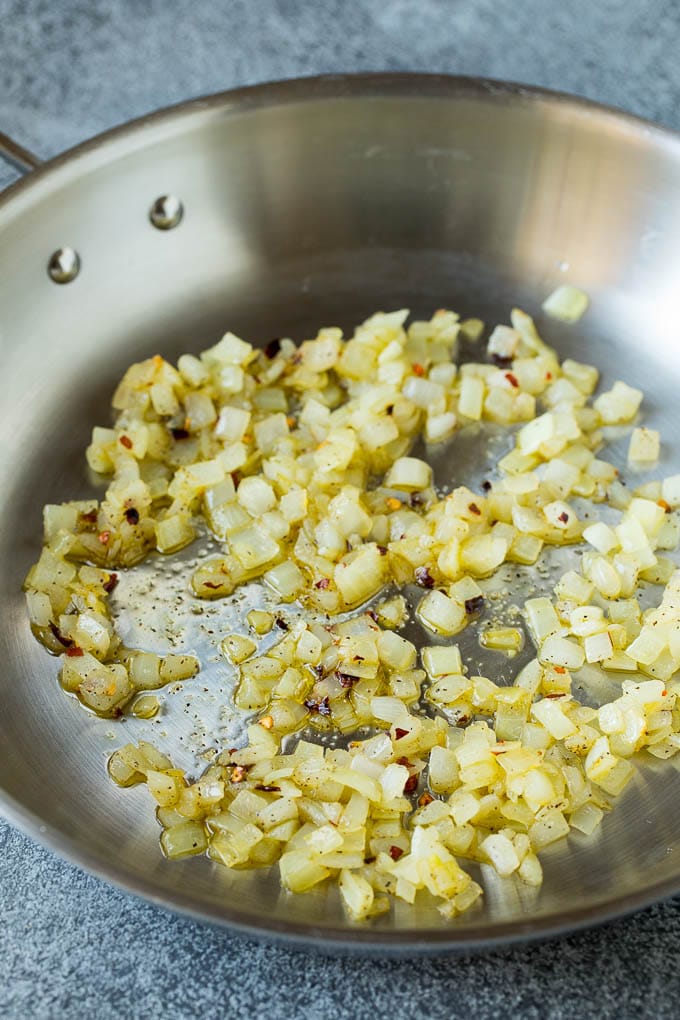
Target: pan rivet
{"x":166,"y":212}
{"x":64,"y":265}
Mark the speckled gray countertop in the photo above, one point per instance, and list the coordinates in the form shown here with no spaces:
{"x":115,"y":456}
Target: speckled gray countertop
{"x":71,"y":946}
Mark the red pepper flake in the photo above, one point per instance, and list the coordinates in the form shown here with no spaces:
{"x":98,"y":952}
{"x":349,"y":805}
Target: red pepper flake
{"x":382,"y":549}
{"x":346,"y":680}
{"x":474,"y":509}
{"x":564,"y":517}
{"x":213,"y":585}
{"x":109,"y":585}
{"x":239,"y":773}
{"x":373,"y":615}
{"x":666,"y":507}
{"x":180,"y":433}
{"x":395,"y":852}
{"x":548,"y":375}
{"x":404,"y":761}
{"x":425,"y":799}
{"x":268,"y":789}
{"x":320,"y":707}
{"x":272,"y":348}
{"x":551,"y":697}
{"x":418,"y":369}
{"x":132,"y":515}
{"x":423,"y":577}
{"x":322,"y":583}
{"x":104,"y":536}
{"x":90,"y":517}
{"x":411,"y":784}
{"x":474,"y":605}
{"x":664,"y":694}
{"x":560,"y":669}
{"x":66,"y":642}
{"x":126,"y":442}
{"x":74,"y":652}
{"x":399,"y":733}
{"x":512,"y":379}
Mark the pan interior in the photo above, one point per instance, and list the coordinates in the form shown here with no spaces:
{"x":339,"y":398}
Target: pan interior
{"x":310,"y":206}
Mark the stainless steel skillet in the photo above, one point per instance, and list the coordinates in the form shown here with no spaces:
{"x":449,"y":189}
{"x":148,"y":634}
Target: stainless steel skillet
{"x":308,"y":203}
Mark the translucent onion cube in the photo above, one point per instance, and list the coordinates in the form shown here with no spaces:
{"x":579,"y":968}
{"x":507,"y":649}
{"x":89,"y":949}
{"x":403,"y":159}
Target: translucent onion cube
{"x":559,"y":514}
{"x":541,"y":618}
{"x":184,"y":840}
{"x":599,"y":760}
{"x":505,"y":639}
{"x":548,"y":828}
{"x":230,"y":350}
{"x":598,"y":647}
{"x":670,"y":490}
{"x":561,"y":651}
{"x":176,"y":666}
{"x":482,"y":554}
{"x":605,"y":577}
{"x":253,"y":547}
{"x":439,"y":660}
{"x":357,"y":894}
{"x":232,"y":424}
{"x":535,"y":433}
{"x":503,"y":342}
{"x":586,"y":620}
{"x":586,"y":818}
{"x":395,"y":652}
{"x":361,"y":576}
{"x":644,"y":447}
{"x":409,"y":474}
{"x":647,"y":647}
{"x":471,"y":398}
{"x":441,"y":614}
{"x":286,"y":579}
{"x":566,"y":302}
{"x":443,"y":770}
{"x":550,"y":714}
{"x":237,"y":648}
{"x":256,"y":495}
{"x":601,"y":537}
{"x":501,"y":852}
{"x":619,"y":404}
{"x":174,"y":533}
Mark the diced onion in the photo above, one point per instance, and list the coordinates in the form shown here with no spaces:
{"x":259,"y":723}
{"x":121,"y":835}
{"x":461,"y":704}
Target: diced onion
{"x":299,"y":462}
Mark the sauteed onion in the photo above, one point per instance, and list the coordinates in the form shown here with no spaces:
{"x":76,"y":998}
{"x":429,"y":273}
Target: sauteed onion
{"x":302,"y":463}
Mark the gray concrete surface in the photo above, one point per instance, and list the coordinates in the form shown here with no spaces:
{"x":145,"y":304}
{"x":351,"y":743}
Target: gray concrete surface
{"x":72,"y":947}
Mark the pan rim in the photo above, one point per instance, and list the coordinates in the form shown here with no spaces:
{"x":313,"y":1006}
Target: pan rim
{"x":99,"y":150}
{"x":308,"y":89}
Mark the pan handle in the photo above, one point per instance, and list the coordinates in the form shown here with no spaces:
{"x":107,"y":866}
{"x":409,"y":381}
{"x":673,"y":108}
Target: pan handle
{"x":19,"y":157}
